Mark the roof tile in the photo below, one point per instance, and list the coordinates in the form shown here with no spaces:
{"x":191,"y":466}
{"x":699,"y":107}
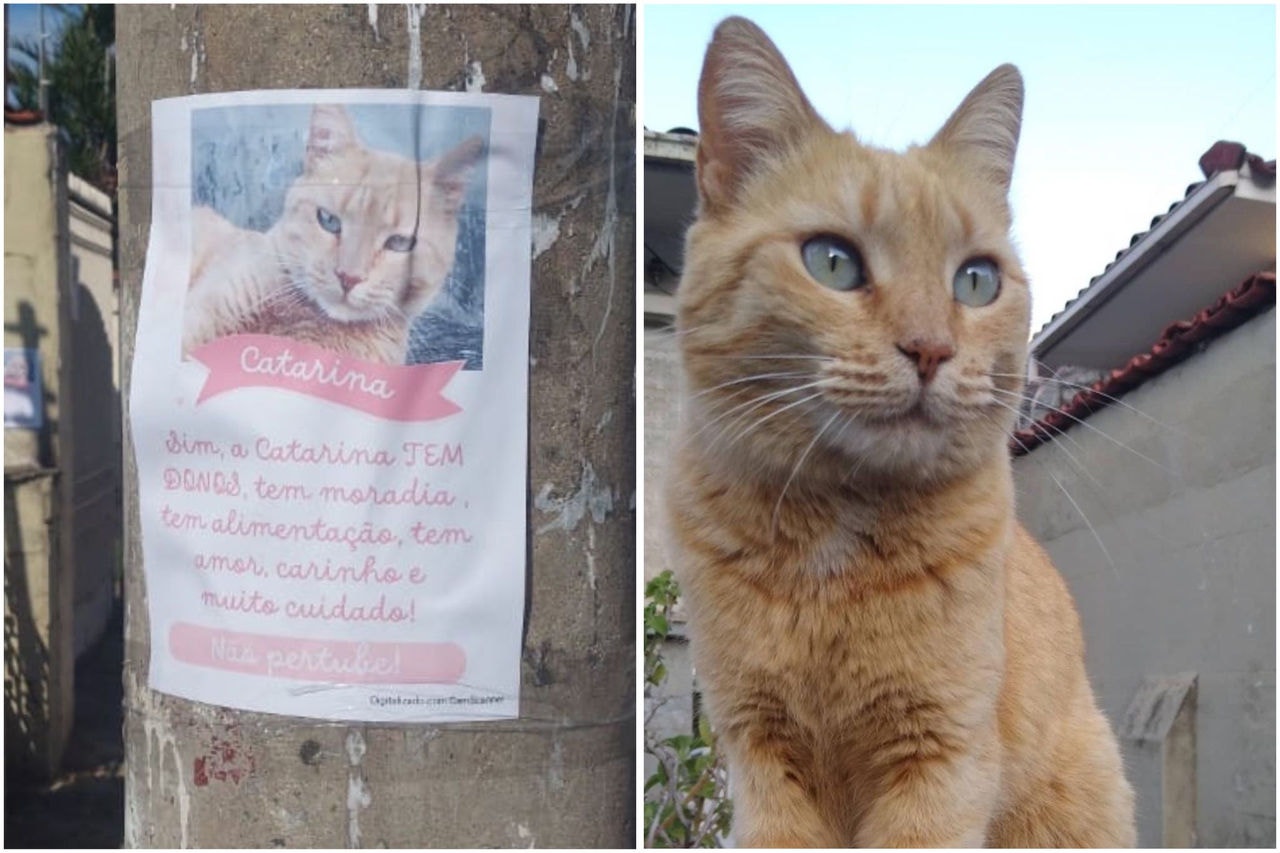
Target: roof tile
{"x":1229,"y":156}
{"x":1179,"y":340}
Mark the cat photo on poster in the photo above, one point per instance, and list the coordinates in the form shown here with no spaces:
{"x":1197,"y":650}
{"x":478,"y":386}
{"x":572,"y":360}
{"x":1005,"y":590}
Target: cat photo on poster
{"x":356,"y":228}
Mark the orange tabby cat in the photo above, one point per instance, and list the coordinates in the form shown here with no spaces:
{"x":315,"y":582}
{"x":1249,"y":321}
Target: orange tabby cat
{"x":365,"y":242}
{"x":889,"y":659}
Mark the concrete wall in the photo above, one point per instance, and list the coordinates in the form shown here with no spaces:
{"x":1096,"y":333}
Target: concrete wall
{"x":661,"y":417}
{"x":62,"y":481}
{"x":564,"y":774}
{"x":31,"y":277}
{"x":38,"y":581}
{"x":93,"y":429}
{"x":1175,"y":569}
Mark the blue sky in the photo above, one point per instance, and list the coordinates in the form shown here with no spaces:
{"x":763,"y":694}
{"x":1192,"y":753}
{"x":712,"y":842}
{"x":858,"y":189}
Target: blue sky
{"x":1121,"y":100}
{"x":24,"y":20}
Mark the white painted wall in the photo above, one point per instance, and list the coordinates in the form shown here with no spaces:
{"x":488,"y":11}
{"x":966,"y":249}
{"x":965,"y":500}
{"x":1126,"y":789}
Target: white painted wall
{"x":1175,"y":570}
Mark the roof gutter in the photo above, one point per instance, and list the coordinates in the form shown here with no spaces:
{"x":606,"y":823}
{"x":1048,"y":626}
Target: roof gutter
{"x":1150,"y":247}
{"x":672,"y":147}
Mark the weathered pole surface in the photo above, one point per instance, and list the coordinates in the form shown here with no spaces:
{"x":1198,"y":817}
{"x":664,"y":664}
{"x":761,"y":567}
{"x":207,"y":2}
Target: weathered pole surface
{"x":563,"y":773}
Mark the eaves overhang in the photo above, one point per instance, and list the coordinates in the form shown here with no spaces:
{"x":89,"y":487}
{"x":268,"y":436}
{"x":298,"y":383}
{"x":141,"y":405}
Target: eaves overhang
{"x":1223,"y":231}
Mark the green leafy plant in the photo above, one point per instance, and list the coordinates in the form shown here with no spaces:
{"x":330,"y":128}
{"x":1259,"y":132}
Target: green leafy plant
{"x":80,"y":71}
{"x":686,"y":799}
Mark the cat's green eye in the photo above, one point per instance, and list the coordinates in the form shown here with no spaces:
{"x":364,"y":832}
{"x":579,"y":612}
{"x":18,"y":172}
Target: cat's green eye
{"x":328,"y":221}
{"x":977,"y":282}
{"x":400,"y":243}
{"x":833,"y":263}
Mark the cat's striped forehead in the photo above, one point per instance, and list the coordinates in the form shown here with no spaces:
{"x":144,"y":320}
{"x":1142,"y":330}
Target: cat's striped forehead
{"x":897,"y":206}
{"x":381,"y":188}
{"x":375,"y":170}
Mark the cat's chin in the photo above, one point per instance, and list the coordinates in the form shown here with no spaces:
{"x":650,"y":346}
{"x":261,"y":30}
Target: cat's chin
{"x":894,"y":452}
{"x":911,"y":448}
{"x":340,"y":310}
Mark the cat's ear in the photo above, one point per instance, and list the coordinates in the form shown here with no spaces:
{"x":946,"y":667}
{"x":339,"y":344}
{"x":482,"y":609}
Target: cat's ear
{"x":750,"y":108}
{"x":453,"y":172}
{"x":332,"y":132}
{"x":984,"y":128}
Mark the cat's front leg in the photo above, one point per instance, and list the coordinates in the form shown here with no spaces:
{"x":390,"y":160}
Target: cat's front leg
{"x":934,"y":802}
{"x":770,"y":806}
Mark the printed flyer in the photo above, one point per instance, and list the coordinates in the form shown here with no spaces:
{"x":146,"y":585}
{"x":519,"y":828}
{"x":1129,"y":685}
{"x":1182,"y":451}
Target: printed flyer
{"x":329,"y":402}
{"x":23,"y":399}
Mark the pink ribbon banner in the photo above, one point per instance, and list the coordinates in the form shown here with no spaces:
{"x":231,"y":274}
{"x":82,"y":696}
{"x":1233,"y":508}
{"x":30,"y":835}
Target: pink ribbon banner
{"x":326,"y":661}
{"x":398,"y":393}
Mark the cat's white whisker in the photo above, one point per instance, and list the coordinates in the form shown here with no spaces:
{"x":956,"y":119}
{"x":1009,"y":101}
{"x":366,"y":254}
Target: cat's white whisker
{"x":754,"y":402}
{"x":777,"y":507}
{"x":757,"y":377}
{"x":1081,"y":467}
{"x":757,"y":424}
{"x":750,"y":405}
{"x":740,"y":423}
{"x":768,"y":398}
{"x":675,"y":332}
{"x":1110,"y":399}
{"x":1090,"y":426}
{"x":825,"y":358}
{"x":1088,"y":523}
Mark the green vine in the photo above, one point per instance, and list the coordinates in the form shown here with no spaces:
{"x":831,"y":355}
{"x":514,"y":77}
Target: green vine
{"x":686,"y":799}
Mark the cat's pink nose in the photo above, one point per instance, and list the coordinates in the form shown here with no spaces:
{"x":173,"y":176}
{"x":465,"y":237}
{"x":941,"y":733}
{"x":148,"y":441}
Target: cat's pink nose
{"x":348,"y":281}
{"x":928,"y":356}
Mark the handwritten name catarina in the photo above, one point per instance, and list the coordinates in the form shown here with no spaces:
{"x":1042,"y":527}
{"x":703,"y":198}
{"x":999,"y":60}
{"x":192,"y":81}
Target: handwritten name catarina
{"x":312,"y":370}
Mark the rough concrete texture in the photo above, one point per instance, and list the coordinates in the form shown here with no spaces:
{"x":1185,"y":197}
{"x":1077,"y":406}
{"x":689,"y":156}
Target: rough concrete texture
{"x":668,"y":709}
{"x":563,"y":774}
{"x":31,"y":280}
{"x":1174,"y":570}
{"x":91,"y":386}
{"x":661,"y":418}
{"x":39,"y":694}
{"x":38,"y":580}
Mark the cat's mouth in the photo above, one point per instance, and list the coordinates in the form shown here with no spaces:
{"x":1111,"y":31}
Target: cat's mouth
{"x":921,"y":406}
{"x":918,"y":412}
{"x":338,"y":307}
{"x":344,"y":307}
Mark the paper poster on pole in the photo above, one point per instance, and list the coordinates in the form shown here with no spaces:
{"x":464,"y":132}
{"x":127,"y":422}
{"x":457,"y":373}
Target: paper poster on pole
{"x":23,"y":397}
{"x":329,"y":402}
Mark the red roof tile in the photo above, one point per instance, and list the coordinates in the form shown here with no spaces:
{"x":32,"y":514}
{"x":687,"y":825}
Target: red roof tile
{"x":1181,"y":339}
{"x":1230,"y":156}
{"x":22,"y":117}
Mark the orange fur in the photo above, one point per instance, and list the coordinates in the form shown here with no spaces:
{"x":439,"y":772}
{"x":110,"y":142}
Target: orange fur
{"x":288,"y":281}
{"x":888,"y":657}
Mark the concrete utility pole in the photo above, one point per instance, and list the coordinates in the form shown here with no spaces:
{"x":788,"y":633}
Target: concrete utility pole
{"x":562,"y":775}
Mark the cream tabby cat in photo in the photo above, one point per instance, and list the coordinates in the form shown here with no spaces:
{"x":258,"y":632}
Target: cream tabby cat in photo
{"x":364,"y":244}
{"x":887,"y":656}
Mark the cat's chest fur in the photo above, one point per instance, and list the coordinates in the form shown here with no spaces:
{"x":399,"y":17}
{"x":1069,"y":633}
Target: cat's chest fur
{"x":859,"y":628}
{"x":847,"y":647}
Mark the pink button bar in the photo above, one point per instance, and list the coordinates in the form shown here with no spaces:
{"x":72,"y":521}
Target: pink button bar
{"x":337,"y":661}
